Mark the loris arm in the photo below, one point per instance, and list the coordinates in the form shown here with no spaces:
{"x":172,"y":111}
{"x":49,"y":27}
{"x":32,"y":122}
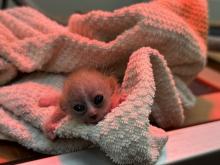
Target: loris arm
{"x":50,"y":125}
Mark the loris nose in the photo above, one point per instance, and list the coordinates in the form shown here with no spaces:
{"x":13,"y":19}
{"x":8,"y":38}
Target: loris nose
{"x":93,"y":117}
{"x":93,"y":114}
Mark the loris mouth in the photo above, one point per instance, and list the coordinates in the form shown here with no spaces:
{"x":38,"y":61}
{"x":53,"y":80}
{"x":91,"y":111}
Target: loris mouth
{"x":91,"y":122}
{"x":98,"y":119}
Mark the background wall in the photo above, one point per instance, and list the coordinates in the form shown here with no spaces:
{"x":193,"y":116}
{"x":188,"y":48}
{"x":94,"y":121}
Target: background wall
{"x":60,"y":10}
{"x":214,"y":11}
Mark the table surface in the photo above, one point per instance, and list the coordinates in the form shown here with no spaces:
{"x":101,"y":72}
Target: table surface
{"x":181,"y":148}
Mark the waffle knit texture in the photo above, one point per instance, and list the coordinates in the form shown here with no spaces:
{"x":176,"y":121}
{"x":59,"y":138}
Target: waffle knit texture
{"x":157,"y":47}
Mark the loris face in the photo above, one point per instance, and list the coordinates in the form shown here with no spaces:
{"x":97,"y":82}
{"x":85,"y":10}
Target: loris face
{"x":87,"y":96}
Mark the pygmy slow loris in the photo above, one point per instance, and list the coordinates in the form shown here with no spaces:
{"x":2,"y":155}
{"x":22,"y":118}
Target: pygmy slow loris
{"x":87,"y":96}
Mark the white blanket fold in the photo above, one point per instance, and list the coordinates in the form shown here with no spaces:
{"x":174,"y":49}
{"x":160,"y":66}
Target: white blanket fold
{"x":157,"y":48}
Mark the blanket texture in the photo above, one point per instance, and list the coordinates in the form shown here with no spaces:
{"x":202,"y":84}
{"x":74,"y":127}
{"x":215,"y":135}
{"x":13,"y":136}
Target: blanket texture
{"x":156,"y":47}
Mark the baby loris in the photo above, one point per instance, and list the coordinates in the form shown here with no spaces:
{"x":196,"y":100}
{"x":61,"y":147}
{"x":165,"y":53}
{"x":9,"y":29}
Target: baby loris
{"x":87,"y":96}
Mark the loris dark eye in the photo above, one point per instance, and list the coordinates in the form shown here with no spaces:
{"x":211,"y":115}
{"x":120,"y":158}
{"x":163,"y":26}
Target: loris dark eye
{"x":98,"y":99}
{"x":79,"y":108}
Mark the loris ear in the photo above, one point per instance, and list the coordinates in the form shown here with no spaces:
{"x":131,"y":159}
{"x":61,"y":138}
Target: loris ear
{"x":113,"y":84}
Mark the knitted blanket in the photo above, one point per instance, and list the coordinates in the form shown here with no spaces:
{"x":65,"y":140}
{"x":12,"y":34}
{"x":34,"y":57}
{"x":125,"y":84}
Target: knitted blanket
{"x":156,"y":47}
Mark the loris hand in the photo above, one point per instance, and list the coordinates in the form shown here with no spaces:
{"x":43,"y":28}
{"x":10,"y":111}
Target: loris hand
{"x":49,"y":129}
{"x":118,"y":99}
{"x":49,"y":100}
{"x":50,"y":126}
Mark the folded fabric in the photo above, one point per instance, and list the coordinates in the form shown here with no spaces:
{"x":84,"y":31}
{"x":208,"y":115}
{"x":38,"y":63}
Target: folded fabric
{"x":118,"y":42}
{"x":125,"y":134}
